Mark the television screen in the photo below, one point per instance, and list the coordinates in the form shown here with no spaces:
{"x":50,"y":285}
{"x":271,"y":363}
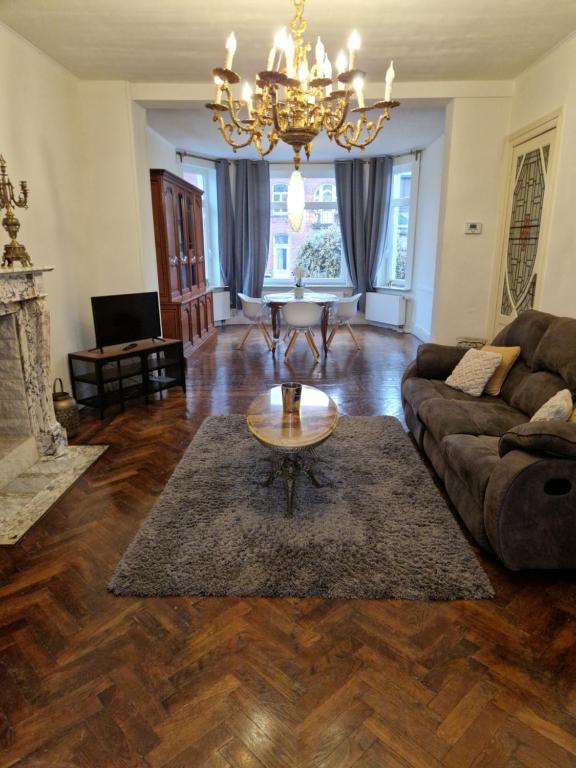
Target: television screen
{"x":126,"y":317}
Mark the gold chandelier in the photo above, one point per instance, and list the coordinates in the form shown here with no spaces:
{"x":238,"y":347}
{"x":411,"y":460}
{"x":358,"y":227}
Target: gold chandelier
{"x":293,"y":101}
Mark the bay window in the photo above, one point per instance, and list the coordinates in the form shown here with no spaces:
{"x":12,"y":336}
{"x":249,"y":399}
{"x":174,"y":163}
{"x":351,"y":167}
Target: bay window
{"x":317,"y":247}
{"x":398,"y":249}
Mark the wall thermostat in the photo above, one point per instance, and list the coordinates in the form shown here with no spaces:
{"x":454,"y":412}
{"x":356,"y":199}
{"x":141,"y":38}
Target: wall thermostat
{"x":473,"y":228}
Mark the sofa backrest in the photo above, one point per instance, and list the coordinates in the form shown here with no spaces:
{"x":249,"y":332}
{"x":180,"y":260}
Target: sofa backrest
{"x":547,"y":363}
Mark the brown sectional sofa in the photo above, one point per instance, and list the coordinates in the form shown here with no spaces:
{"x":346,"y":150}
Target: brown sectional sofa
{"x":512,"y":482}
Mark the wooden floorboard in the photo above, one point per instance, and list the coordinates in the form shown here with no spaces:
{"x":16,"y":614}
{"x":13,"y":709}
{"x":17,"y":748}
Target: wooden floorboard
{"x":88,"y":679}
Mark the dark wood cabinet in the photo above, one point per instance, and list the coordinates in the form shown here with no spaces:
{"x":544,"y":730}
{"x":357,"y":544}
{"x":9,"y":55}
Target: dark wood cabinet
{"x":185,"y":303}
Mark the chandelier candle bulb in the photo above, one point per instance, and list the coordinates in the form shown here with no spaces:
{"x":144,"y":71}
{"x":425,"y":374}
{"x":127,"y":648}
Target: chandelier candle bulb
{"x":279,"y":44}
{"x":271,"y":57}
{"x":328,"y":74}
{"x":289,"y":51}
{"x":320,"y":54}
{"x":390,"y":74}
{"x":358,"y":85}
{"x":247,"y":97}
{"x":341,"y":63}
{"x":218,"y":82}
{"x":353,"y":46}
{"x":230,"y":50}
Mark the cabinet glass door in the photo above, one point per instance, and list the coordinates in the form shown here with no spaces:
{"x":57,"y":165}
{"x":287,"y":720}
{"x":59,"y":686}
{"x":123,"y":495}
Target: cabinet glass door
{"x":199,"y":232}
{"x":173,"y":260}
{"x":182,"y":250}
{"x":191,"y":240}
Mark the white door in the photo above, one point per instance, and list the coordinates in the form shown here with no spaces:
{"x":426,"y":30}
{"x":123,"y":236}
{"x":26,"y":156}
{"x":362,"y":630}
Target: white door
{"x":528,"y":205}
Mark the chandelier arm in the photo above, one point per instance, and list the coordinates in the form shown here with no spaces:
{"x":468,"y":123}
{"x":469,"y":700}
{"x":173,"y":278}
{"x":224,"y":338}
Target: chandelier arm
{"x":351,"y":132}
{"x":242,"y":126}
{"x":226,"y":129}
{"x":272,"y":138}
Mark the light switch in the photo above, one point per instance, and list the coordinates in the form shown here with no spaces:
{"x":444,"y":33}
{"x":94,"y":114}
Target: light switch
{"x":473,"y":228}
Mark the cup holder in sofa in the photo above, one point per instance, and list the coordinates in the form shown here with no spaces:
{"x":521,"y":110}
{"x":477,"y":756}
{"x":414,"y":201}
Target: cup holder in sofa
{"x":557,"y":486}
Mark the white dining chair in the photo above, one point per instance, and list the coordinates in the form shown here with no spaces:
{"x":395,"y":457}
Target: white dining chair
{"x":254,"y":310}
{"x":301,"y":317}
{"x":342,"y":313}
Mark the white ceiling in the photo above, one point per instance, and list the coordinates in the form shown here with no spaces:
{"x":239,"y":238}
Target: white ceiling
{"x":182,"y":40}
{"x":411,"y":127}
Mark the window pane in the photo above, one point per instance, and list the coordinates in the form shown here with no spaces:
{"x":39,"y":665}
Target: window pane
{"x":317,"y":247}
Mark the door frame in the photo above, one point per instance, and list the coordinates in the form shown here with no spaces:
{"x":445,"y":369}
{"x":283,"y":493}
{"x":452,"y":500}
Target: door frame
{"x":553,"y":120}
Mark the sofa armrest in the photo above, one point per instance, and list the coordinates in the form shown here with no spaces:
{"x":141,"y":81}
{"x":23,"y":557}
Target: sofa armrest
{"x":530,"y":511}
{"x":556,"y":438}
{"x":437,"y":361}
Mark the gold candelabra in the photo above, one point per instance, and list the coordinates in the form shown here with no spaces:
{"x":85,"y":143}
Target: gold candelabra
{"x":294,"y":102}
{"x":13,"y":251}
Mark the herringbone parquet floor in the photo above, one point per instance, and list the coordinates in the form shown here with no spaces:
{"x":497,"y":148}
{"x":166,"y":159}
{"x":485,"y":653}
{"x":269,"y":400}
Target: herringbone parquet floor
{"x":92,"y":680}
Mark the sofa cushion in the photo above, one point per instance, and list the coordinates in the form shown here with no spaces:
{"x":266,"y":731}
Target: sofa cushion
{"x":472,"y":458}
{"x":416,"y":391}
{"x":456,"y":417}
{"x":509,"y":357}
{"x":534,"y":390}
{"x":525,"y":331}
{"x":557,"y":350}
{"x":474,"y":371}
{"x":558,"y":408}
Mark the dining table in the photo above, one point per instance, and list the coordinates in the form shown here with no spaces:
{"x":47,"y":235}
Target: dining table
{"x":277,"y":300}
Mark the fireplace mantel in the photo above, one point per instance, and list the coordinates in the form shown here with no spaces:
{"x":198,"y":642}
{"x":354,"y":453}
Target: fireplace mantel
{"x":22,"y":295}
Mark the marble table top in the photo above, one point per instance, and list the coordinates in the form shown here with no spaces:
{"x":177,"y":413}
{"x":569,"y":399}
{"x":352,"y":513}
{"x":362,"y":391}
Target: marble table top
{"x":312,"y":296}
{"x":269,"y":424}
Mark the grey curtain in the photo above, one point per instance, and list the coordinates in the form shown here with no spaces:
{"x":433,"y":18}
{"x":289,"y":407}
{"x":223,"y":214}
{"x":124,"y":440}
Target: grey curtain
{"x":377,"y":210}
{"x":252,"y":224}
{"x":226,"y":229}
{"x":350,"y":193}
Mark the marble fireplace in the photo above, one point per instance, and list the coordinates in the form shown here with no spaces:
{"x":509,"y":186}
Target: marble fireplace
{"x":36,"y":464}
{"x":26,"y":410}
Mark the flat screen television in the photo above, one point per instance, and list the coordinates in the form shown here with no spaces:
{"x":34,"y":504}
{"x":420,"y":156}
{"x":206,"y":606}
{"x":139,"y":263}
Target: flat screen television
{"x":126,"y":317}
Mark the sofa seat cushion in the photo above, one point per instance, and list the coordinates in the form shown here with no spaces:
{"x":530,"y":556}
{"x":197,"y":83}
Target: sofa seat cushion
{"x":472,"y":458}
{"x":456,"y":417}
{"x":416,"y":391}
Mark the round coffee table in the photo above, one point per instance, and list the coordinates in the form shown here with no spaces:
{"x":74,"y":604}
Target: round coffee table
{"x":292,"y":438}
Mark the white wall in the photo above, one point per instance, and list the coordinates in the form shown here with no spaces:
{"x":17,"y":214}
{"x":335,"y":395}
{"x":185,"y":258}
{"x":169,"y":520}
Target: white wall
{"x":545,"y":87}
{"x":112,"y":244}
{"x":38,"y":139}
{"x":471,"y":191}
{"x":161,"y":153}
{"x":419,"y":321}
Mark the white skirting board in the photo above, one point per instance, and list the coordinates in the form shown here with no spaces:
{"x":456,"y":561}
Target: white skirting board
{"x":387,"y":308}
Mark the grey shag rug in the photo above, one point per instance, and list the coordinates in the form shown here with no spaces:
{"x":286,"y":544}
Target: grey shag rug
{"x":379,"y":528}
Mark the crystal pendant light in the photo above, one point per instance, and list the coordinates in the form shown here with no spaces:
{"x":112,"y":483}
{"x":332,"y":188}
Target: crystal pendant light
{"x":296,"y":200}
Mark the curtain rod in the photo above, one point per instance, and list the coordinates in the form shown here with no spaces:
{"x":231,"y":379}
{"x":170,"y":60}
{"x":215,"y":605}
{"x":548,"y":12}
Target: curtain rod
{"x":181,"y":153}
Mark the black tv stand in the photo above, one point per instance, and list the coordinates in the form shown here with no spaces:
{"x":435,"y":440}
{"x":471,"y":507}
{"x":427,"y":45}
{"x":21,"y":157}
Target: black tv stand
{"x":124,"y":372}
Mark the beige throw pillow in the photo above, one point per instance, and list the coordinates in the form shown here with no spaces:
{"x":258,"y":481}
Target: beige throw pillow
{"x":558,"y":408}
{"x":509,"y":357}
{"x":474,"y":371}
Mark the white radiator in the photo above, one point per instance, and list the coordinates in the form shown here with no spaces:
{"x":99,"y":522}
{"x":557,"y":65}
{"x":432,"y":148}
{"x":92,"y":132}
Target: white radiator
{"x":221,"y":305}
{"x":386,"y":308}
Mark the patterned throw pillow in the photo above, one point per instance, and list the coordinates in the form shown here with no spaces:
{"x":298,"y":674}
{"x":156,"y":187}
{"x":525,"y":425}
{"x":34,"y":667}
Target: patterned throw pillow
{"x":474,"y":371}
{"x":558,"y":408}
